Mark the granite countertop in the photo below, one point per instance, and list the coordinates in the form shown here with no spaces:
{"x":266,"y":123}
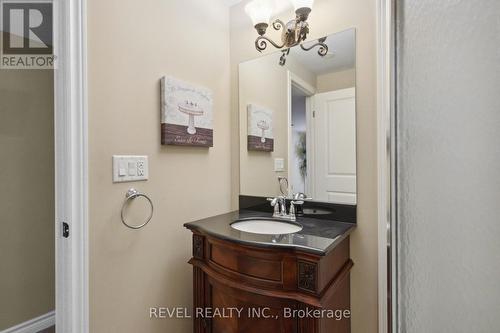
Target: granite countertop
{"x":317,"y":236}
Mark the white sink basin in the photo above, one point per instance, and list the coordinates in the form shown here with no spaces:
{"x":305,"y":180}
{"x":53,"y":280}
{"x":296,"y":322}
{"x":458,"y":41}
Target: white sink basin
{"x":266,"y":227}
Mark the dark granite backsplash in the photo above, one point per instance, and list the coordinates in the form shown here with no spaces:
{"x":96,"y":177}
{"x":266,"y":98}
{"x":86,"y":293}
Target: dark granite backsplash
{"x":312,"y":209}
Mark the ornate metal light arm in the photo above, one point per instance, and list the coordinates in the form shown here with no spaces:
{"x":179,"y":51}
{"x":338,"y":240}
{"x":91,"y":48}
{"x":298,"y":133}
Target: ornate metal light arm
{"x":284,"y":54}
{"x":323,"y":48}
{"x":293,"y":34}
{"x":261,"y":41}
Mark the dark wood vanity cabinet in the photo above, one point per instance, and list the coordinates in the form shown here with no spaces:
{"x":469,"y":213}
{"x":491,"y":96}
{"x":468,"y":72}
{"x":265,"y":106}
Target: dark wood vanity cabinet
{"x":274,"y":289}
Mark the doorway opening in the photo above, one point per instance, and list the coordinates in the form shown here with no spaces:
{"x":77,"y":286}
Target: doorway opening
{"x":299,"y":182}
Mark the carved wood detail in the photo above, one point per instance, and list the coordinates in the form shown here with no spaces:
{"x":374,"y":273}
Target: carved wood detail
{"x":198,"y":246}
{"x":308,"y":276}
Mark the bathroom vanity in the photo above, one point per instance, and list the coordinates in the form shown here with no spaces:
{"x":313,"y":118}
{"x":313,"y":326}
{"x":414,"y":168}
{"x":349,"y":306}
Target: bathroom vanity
{"x":297,"y":121}
{"x":275,"y":281}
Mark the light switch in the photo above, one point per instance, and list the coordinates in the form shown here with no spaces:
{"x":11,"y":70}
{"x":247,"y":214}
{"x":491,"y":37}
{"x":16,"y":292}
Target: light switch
{"x":130,"y":168}
{"x":122,"y":172}
{"x":279,"y":164}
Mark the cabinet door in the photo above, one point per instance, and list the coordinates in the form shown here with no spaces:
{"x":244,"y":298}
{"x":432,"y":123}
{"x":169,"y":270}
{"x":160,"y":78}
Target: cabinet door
{"x":260,"y":314}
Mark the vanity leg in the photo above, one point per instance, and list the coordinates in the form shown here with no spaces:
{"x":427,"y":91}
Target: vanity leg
{"x":306,"y":325}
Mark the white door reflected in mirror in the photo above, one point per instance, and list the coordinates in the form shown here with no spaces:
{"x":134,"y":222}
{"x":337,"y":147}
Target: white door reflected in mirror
{"x":333,"y":175}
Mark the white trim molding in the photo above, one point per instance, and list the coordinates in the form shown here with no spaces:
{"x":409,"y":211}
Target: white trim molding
{"x":295,"y":80}
{"x":34,"y":325}
{"x":301,"y":83}
{"x":385,"y":169}
{"x":72,"y":286}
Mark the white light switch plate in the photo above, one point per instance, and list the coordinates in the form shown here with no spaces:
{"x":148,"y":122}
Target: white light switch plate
{"x":130,"y":168}
{"x":279,"y":164}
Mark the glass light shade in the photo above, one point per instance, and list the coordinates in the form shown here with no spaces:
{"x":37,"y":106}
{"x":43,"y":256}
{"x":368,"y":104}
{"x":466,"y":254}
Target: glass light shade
{"x":302,"y":4}
{"x":260,"y":11}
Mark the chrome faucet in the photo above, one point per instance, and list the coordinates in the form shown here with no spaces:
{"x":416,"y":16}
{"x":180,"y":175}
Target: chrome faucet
{"x":279,"y":204}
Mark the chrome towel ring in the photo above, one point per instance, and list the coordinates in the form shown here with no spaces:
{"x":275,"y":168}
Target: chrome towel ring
{"x":131,"y":195}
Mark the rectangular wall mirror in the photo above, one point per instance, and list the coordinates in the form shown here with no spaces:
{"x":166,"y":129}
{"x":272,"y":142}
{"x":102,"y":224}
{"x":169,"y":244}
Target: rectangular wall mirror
{"x":298,"y":121}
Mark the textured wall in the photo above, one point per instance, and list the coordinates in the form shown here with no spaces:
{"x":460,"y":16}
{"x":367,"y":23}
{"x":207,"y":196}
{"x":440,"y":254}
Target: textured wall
{"x":449,"y":159}
{"x":330,"y":16}
{"x":131,"y":45}
{"x":27,"y":195}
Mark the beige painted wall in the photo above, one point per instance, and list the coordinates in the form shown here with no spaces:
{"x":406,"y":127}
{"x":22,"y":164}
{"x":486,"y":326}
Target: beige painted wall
{"x":130,"y":46}
{"x":336,"y":80}
{"x":27,"y":195}
{"x":330,"y":16}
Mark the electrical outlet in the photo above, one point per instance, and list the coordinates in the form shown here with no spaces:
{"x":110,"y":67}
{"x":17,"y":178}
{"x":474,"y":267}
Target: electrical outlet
{"x":129,"y":168}
{"x":140,"y":168}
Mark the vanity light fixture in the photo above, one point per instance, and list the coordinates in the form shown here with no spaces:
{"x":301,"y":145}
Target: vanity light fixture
{"x":293,"y":33}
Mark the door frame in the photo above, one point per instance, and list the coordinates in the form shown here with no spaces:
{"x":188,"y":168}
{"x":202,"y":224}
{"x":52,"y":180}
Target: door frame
{"x":295,"y":80}
{"x":386,"y":167}
{"x":71,"y":166}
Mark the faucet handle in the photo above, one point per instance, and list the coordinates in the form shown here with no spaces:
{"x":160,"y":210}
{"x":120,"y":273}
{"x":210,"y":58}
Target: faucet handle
{"x":292,"y":211}
{"x":273,"y":201}
{"x":301,"y":196}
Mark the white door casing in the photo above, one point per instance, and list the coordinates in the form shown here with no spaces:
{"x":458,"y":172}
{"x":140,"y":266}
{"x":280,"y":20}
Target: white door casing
{"x":335,"y":146}
{"x":386,"y":171}
{"x":72,"y":290}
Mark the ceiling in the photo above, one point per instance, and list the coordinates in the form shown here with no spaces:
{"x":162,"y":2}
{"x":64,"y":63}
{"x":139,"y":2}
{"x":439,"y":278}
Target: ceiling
{"x":231,"y":2}
{"x":341,"y":54}
{"x":278,"y":6}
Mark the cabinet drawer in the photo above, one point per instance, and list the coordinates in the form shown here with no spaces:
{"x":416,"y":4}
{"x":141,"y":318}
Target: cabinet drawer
{"x":258,"y":267}
{"x":246,"y":263}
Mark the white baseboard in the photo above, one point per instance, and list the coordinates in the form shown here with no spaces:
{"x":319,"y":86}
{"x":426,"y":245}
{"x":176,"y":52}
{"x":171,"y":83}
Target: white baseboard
{"x":34,"y":325}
